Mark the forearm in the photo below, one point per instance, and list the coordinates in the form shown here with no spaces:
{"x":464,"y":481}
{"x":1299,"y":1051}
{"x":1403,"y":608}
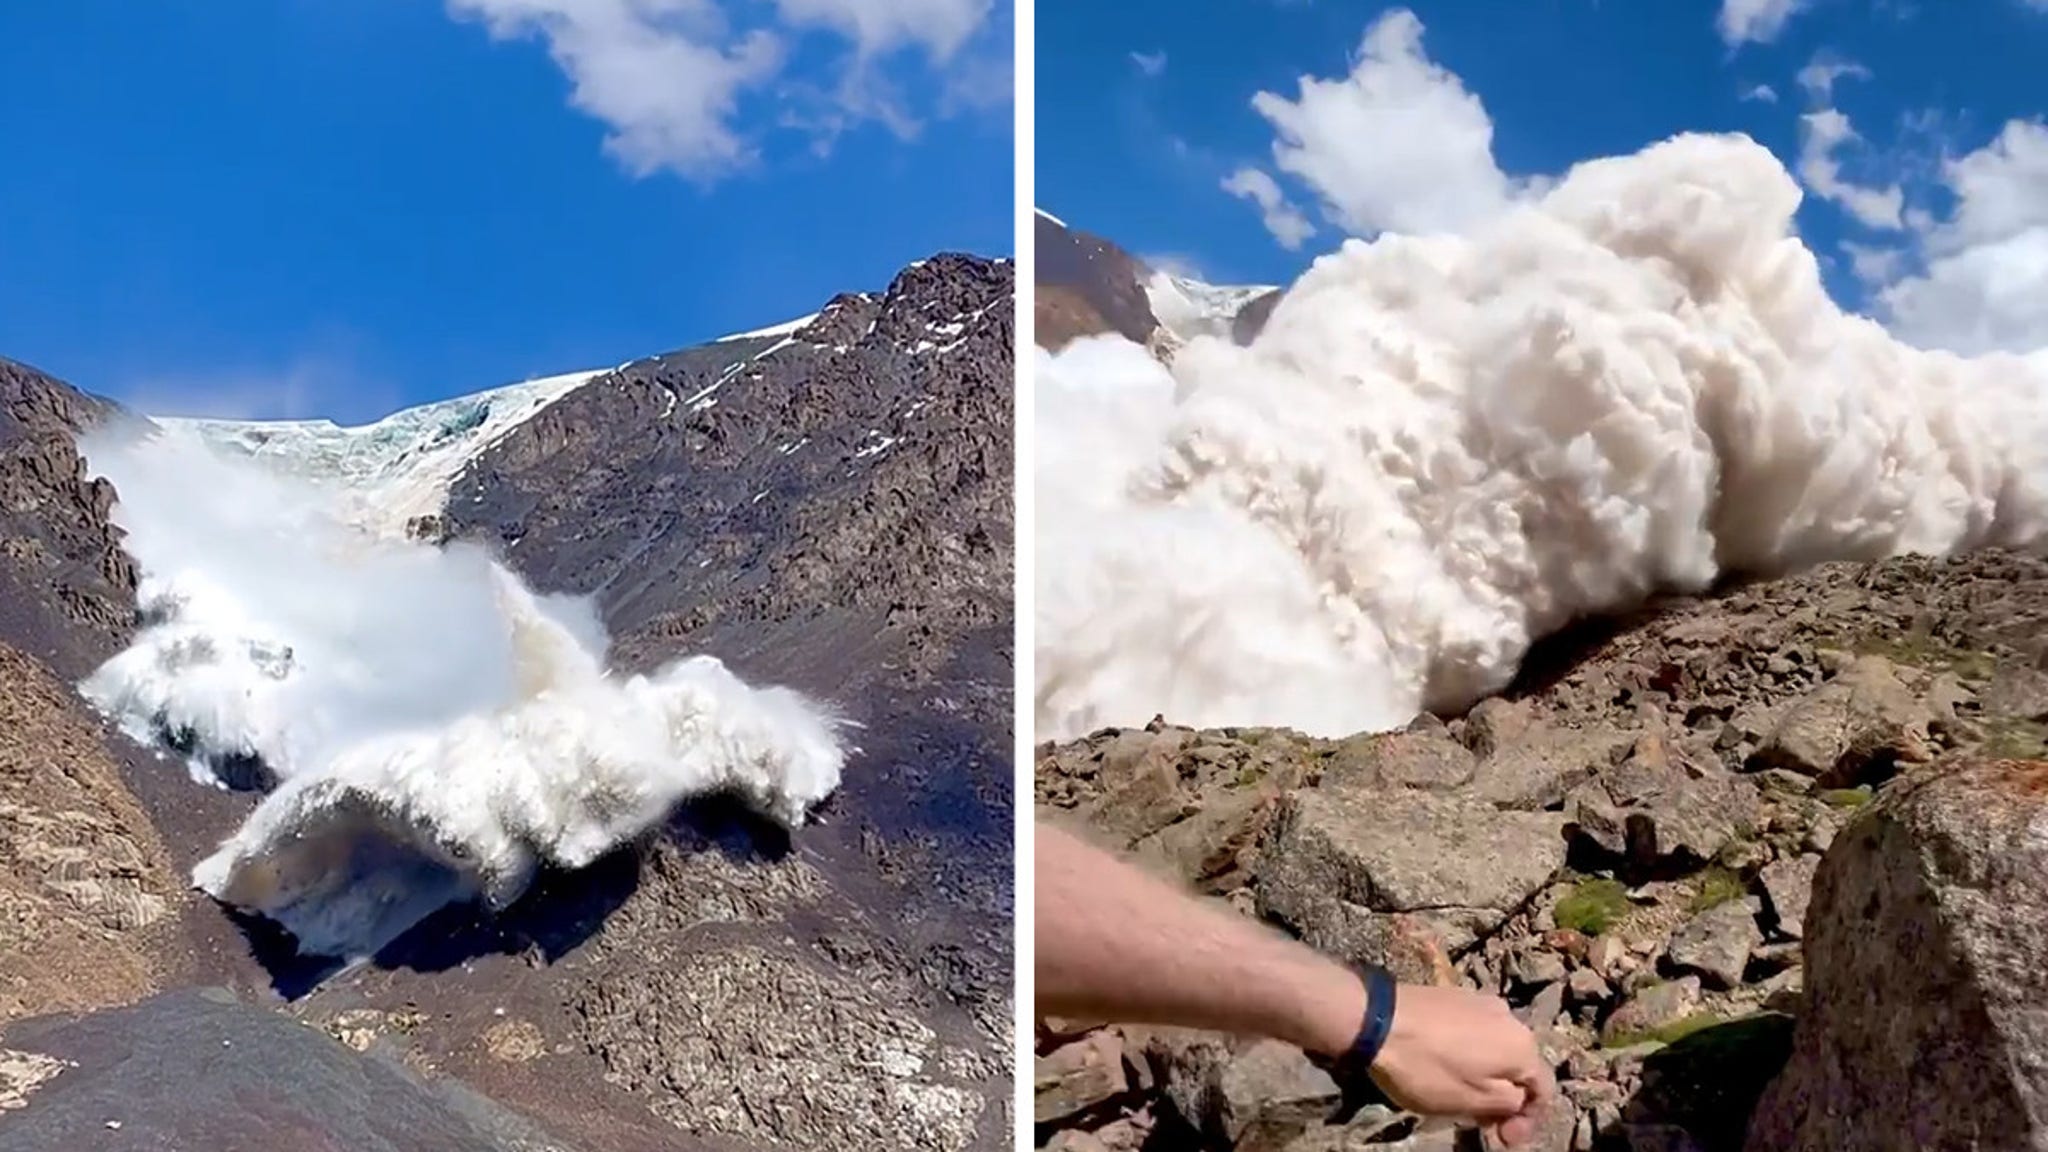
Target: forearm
{"x":1116,"y":944}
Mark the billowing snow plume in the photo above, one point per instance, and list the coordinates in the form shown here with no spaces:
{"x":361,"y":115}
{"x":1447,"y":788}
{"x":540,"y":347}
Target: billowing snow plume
{"x":435,"y":731}
{"x":1440,"y":449}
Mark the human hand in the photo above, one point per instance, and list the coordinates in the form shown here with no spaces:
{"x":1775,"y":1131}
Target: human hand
{"x":1462,"y":1055}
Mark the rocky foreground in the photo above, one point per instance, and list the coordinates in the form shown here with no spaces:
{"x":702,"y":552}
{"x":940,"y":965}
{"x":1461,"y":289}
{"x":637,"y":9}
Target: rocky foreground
{"x":1765,"y":870}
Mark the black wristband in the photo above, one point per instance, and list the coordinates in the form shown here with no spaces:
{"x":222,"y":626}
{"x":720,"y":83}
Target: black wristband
{"x":1379,"y":1018}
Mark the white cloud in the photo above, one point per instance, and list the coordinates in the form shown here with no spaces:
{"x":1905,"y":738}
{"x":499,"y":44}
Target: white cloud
{"x":1398,"y":145}
{"x":1282,"y":219}
{"x":667,"y":77}
{"x":1754,"y":21}
{"x":1822,"y":133}
{"x":1150,"y":63}
{"x":1874,"y":265}
{"x":1763,"y":93}
{"x":1985,"y":285}
{"x":1819,"y":76}
{"x":878,"y":26}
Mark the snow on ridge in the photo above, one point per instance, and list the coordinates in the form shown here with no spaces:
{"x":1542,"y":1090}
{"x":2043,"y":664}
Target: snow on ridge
{"x":1189,"y":308}
{"x":1053,"y":218}
{"x":782,"y":329}
{"x":396,"y":468}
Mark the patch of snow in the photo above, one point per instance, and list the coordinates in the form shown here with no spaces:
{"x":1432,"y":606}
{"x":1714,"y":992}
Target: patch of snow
{"x":1189,"y":308}
{"x":878,"y":443}
{"x":782,"y":329}
{"x":1051,"y":217}
{"x":396,"y":468}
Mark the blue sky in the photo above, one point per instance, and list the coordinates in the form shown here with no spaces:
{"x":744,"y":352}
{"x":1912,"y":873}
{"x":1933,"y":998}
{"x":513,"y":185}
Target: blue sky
{"x":1143,"y":114}
{"x":299,"y":207}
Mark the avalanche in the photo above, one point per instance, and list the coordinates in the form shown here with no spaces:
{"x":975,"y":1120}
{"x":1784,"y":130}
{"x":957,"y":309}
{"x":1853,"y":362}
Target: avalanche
{"x":435,"y":730}
{"x":1443,"y":447}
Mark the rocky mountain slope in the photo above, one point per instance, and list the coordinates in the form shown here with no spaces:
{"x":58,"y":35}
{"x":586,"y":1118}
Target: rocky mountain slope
{"x":67,"y":591}
{"x":1087,"y":285}
{"x":1626,"y":845}
{"x":827,"y":505}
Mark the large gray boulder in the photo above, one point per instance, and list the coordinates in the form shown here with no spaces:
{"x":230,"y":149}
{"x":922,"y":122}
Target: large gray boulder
{"x":1341,"y":858}
{"x":1926,"y":1025}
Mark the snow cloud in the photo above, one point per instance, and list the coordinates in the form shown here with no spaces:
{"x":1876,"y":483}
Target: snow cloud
{"x":1442,"y":448}
{"x":428,"y":729}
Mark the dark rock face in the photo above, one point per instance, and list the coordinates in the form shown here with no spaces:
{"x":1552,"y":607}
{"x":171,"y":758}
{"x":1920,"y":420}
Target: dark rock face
{"x":1251,"y":319}
{"x":1926,"y":1022}
{"x":829,"y":509}
{"x":201,"y":1069}
{"x":1624,"y":846}
{"x":67,"y":591}
{"x":1086,"y":286}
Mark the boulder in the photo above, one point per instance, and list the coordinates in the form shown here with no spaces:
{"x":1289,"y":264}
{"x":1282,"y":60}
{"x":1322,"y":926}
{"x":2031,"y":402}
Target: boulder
{"x":1788,"y":890}
{"x":1461,"y":865}
{"x":1661,"y":805}
{"x":1078,"y":1077}
{"x":1267,"y":1095}
{"x":1653,"y":1008}
{"x":1423,"y":756}
{"x":1926,"y":1019}
{"x":1541,"y":766}
{"x":1716,"y":943}
{"x":1856,"y":727}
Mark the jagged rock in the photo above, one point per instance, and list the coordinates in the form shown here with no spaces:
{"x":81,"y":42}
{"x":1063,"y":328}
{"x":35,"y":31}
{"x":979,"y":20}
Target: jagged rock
{"x":1535,"y":966}
{"x":826,"y":1060}
{"x":1459,"y":864}
{"x":1184,"y":1063}
{"x":1852,"y":728}
{"x":67,"y":590}
{"x":1495,"y":724}
{"x":1219,"y":842}
{"x":1927,"y":972}
{"x":1078,"y":1077}
{"x":1541,"y":766}
{"x":1659,"y":805}
{"x":1587,"y":987}
{"x":83,"y":874}
{"x":1425,"y":757}
{"x":1788,"y":890}
{"x":2020,"y":693}
{"x":1716,"y":944}
{"x":1267,"y":1095}
{"x":1653,"y":1007}
{"x":1605,"y":954}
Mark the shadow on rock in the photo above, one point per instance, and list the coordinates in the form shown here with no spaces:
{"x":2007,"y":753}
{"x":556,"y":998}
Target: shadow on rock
{"x":560,"y":912}
{"x":1708,"y":1083}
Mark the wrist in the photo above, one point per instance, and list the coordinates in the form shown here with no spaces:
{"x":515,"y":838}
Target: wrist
{"x":1332,"y":1015}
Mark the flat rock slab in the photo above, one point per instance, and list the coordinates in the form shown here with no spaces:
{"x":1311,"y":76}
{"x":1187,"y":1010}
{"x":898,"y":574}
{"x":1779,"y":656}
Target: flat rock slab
{"x":1413,"y":851}
{"x":1926,"y":1018}
{"x":200,"y":1069}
